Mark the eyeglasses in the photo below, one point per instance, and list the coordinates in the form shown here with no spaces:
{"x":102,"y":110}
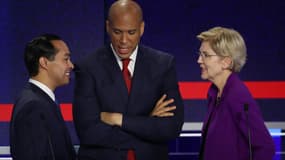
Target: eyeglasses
{"x":205,"y":55}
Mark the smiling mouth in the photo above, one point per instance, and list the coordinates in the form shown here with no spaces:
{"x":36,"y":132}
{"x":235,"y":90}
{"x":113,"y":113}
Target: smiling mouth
{"x":67,"y":74}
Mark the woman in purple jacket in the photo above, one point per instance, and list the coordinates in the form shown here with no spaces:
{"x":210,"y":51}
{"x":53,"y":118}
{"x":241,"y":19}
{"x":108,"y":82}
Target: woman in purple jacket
{"x":233,"y":128}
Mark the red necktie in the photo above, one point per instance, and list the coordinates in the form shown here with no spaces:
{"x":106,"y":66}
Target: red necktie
{"x":131,"y":155}
{"x":127,"y":74}
{"x":128,"y":81}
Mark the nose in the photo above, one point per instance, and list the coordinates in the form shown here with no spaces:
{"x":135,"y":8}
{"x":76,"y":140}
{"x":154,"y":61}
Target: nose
{"x":199,"y":60}
{"x":71,"y":65}
{"x":123,"y":38}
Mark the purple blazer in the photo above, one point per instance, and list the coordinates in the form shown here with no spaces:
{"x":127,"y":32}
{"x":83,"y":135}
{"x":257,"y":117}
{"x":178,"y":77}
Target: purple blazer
{"x":227,"y":136}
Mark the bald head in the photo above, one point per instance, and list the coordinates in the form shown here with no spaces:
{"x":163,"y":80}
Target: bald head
{"x":125,"y":27}
{"x":124,"y":7}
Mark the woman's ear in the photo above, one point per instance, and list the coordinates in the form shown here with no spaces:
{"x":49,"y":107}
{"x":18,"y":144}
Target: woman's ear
{"x":227,"y":63}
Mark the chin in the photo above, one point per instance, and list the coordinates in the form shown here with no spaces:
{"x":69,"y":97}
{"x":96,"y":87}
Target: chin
{"x":204,"y":77}
{"x":65,"y":82}
{"x":124,"y":55}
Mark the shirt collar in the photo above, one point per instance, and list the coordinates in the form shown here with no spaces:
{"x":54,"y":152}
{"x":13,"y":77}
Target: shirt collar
{"x":43,"y":87}
{"x":133,"y":56}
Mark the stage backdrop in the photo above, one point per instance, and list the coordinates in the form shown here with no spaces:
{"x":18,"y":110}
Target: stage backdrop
{"x":170,"y":26}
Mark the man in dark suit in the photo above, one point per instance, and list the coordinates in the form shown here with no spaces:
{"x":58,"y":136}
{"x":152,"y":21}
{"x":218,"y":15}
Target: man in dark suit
{"x":37,"y":129}
{"x":121,"y":117}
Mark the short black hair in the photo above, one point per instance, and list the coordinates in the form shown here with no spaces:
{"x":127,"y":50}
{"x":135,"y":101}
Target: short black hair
{"x":39,"y":47}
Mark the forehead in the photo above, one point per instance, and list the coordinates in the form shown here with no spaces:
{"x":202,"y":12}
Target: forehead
{"x":205,"y":45}
{"x":60,"y":46}
{"x":125,"y":20}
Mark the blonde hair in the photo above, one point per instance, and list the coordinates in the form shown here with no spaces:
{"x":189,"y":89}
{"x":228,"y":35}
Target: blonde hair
{"x":226,"y":42}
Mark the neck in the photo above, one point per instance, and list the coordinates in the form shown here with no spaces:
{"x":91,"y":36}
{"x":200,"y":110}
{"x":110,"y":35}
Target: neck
{"x":44,"y":81}
{"x":221,"y":82}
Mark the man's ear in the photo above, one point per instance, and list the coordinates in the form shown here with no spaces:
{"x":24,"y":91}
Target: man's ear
{"x":43,"y":62}
{"x":142,"y":28}
{"x":107,"y":26}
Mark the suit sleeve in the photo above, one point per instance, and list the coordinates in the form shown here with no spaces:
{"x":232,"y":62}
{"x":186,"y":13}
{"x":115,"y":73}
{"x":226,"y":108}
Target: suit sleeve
{"x":160,"y":129}
{"x":29,"y":136}
{"x":261,"y":141}
{"x":86,"y":113}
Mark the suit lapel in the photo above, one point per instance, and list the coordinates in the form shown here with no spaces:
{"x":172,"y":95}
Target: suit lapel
{"x":54,"y":107}
{"x":141,"y":76}
{"x":210,"y":113}
{"x":140,"y":80}
{"x":138,"y":76}
{"x":113,"y":70}
{"x":56,"y":111}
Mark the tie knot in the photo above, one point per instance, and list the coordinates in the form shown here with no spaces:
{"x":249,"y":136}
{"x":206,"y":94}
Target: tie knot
{"x":126,"y":62}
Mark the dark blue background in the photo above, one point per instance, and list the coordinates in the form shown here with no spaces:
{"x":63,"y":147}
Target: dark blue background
{"x":171,"y":26}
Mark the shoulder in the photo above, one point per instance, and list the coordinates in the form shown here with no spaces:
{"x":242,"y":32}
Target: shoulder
{"x":27,"y":110}
{"x":157,"y":56}
{"x":29,"y":102}
{"x":154,"y":52}
{"x":236,"y":88}
{"x":238,"y":95}
{"x":94,"y":57}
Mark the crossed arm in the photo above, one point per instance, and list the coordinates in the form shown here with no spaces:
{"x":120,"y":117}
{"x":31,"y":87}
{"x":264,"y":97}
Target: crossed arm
{"x":161,"y":109}
{"x":103,"y":127}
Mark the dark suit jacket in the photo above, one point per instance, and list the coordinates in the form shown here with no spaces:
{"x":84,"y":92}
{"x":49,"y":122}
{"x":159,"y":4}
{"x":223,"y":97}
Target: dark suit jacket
{"x":37,"y":129}
{"x":100,"y":87}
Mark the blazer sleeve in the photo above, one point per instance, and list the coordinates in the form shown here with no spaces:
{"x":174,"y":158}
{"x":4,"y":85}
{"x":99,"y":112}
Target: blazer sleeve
{"x":86,"y":113}
{"x":160,"y":129}
{"x":29,"y":136}
{"x":251,"y":120}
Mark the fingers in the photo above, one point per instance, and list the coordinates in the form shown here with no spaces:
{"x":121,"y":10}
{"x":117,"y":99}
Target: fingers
{"x":162,"y":109}
{"x":161,"y":100}
{"x":161,"y":103}
{"x":166,"y":103}
{"x":166,"y":111}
